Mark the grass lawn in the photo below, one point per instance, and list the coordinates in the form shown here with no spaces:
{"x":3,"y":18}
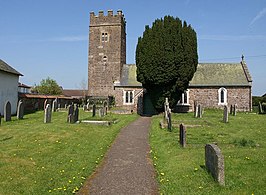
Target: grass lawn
{"x":55,"y":158}
{"x":242,"y":142}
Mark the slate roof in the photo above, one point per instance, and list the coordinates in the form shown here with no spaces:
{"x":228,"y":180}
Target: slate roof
{"x":6,"y":68}
{"x":221,"y":74}
{"x":207,"y":74}
{"x":129,"y":76}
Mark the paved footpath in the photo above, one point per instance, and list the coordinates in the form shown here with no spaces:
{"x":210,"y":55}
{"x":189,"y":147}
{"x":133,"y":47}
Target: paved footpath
{"x":127,"y":168}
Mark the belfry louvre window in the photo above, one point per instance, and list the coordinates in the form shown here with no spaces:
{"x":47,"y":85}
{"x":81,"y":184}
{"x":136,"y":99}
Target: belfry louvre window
{"x":128,"y":97}
{"x":104,"y":37}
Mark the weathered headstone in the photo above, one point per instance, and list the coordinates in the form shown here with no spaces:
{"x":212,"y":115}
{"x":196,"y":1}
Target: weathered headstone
{"x":234,"y":110}
{"x":260,"y":108}
{"x":169,"y":120}
{"x":196,"y":111}
{"x":70,"y":109}
{"x":54,"y":105}
{"x":7,"y":111}
{"x":182,"y":135}
{"x":231,"y":109}
{"x":214,"y":162}
{"x":47,"y":114}
{"x":70,"y":118}
{"x":200,"y":111}
{"x":225,"y":118}
{"x":105,"y":110}
{"x":45,"y":103}
{"x":100,"y":112}
{"x":76,"y":113}
{"x":93,"y":110}
{"x":20,"y":110}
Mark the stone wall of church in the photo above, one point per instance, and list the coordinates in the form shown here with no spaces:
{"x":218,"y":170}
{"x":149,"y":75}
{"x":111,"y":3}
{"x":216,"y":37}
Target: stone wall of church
{"x":136,"y":106}
{"x":208,"y":97}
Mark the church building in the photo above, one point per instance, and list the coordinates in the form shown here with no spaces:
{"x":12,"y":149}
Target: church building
{"x":213,"y":85}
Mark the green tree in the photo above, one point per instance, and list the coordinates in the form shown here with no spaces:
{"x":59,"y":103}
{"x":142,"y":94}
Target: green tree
{"x":48,"y":87}
{"x":166,"y":59}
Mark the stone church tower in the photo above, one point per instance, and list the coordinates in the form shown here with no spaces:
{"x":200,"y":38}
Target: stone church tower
{"x":107,"y":52}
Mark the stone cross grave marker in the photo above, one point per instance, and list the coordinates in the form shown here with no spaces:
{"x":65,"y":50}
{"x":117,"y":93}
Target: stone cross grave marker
{"x":214,"y":162}
{"x":47,"y":114}
{"x":93,"y":110}
{"x":182,"y":135}
{"x":225,"y":118}
{"x":7,"y":111}
{"x":20,"y":110}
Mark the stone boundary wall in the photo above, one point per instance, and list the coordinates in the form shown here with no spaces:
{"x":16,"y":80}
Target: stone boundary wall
{"x":214,"y":162}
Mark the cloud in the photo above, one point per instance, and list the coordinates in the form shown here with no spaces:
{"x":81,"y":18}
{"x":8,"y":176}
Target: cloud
{"x":258,"y":16}
{"x":233,"y":37}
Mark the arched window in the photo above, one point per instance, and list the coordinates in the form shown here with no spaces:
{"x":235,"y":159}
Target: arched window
{"x":222,"y":96}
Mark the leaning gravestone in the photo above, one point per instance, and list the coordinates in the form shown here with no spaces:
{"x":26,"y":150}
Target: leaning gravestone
{"x":225,"y":118}
{"x":182,"y":135}
{"x":47,"y":114}
{"x":214,"y":162}
{"x":20,"y":110}
{"x":7,"y":111}
{"x":93,"y":110}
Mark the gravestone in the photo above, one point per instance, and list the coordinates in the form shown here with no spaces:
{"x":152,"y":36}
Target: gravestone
{"x":76,"y":113}
{"x":20,"y":110}
{"x":54,"y":105}
{"x":93,"y":110}
{"x":65,"y":105}
{"x":45,"y":103}
{"x":196,"y":111}
{"x":234,"y":110}
{"x":47,"y":114}
{"x":182,"y":135}
{"x":100,"y":112}
{"x":0,"y":118}
{"x":260,"y":108}
{"x":214,"y":162}
{"x":70,"y":118}
{"x":7,"y":111}
{"x":225,"y":118}
{"x":231,"y":109}
{"x":169,"y":120}
{"x":70,"y":109}
{"x":105,"y":110}
{"x":200,"y":111}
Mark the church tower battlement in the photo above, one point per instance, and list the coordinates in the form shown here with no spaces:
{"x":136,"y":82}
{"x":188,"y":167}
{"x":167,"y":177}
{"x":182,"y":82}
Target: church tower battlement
{"x":107,"y":52}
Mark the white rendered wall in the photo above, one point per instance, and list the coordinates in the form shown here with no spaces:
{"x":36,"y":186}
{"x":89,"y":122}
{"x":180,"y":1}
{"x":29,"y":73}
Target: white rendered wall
{"x":8,"y":91}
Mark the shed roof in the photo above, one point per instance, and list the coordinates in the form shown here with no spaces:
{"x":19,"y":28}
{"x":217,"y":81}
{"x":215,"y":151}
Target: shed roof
{"x":221,"y":74}
{"x":6,"y":68}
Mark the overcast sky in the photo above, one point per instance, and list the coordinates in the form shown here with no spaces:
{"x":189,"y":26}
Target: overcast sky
{"x":42,"y":38}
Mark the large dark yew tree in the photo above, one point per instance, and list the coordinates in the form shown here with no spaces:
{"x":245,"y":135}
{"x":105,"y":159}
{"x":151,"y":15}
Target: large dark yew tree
{"x":166,"y":59}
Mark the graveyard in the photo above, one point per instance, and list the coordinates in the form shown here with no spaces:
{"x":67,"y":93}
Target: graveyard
{"x":53,"y":157}
{"x":181,"y":168}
